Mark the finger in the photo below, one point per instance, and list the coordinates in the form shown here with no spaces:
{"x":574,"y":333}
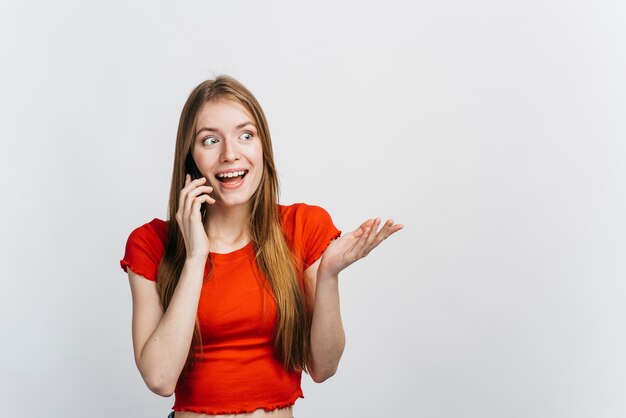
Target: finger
{"x":188,"y":201}
{"x":209,"y":199}
{"x":358,"y":233}
{"x":182,"y":197}
{"x":194,"y":189}
{"x":393,"y":228}
{"x":374,"y":232}
{"x":361,"y":242}
{"x":367,"y":223}
{"x":366,"y":247}
{"x":202,"y":193}
{"x":361,"y":229}
{"x":396,"y":228}
{"x":191,"y":184}
{"x":206,"y":199}
{"x":196,"y":206}
{"x":387,"y":230}
{"x":198,"y":191}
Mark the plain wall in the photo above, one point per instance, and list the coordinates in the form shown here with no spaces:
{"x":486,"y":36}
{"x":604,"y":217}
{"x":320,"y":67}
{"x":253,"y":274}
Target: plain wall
{"x":493,"y":130}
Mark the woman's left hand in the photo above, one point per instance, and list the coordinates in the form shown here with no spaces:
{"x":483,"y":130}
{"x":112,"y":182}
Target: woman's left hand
{"x":355,"y":245}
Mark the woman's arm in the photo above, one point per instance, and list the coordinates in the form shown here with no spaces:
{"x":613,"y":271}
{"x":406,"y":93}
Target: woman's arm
{"x":322,"y":293}
{"x":327,"y":336}
{"x":161,"y":341}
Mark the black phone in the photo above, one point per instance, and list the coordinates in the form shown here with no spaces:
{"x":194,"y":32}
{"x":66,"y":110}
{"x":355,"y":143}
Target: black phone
{"x":192,"y":169}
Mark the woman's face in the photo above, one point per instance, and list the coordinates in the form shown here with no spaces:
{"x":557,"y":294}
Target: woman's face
{"x":228,"y":151}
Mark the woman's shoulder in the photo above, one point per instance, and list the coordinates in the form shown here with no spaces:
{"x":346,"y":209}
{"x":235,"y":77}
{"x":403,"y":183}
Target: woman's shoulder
{"x":302,"y":217}
{"x":308,"y":229}
{"x":156,"y":229}
{"x":300,"y":211}
{"x":145,"y":247}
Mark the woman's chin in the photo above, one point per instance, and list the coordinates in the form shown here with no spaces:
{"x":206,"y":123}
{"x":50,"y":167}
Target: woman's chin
{"x":232,"y":203}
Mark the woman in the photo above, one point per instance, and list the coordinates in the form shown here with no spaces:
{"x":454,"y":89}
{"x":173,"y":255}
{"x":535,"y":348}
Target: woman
{"x":233,"y":300}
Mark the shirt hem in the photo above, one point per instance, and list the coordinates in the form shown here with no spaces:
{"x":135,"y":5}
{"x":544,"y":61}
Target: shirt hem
{"x":242,"y":410}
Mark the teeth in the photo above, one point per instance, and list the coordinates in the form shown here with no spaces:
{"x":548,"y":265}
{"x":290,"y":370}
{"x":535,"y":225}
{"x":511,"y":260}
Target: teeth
{"x":233,"y":174}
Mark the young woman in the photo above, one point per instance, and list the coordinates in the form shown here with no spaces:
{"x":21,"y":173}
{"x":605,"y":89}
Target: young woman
{"x":235,"y":295}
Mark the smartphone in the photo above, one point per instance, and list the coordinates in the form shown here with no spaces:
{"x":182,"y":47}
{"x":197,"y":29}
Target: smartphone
{"x":192,"y":169}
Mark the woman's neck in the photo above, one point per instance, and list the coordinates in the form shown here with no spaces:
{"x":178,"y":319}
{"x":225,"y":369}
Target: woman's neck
{"x":229,"y":226}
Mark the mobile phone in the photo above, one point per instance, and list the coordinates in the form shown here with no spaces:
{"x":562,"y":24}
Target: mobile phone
{"x":192,"y":169}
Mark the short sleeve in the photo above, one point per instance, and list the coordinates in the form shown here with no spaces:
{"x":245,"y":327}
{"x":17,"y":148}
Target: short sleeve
{"x":317,"y":232}
{"x":143,"y":252}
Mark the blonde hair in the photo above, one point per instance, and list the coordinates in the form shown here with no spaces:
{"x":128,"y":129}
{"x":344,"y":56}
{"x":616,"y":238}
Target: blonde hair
{"x":273,"y":255}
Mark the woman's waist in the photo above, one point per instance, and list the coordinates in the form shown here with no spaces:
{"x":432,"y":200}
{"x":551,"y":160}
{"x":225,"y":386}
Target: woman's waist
{"x":237,"y":386}
{"x":285,"y":412}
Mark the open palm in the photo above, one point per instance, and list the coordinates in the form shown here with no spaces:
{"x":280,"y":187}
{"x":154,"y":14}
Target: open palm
{"x":355,"y":245}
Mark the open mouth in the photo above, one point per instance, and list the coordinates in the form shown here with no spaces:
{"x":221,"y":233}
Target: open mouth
{"x":234,"y":177}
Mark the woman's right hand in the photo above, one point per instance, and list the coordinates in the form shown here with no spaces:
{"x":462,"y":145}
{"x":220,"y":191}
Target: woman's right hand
{"x":189,"y":218}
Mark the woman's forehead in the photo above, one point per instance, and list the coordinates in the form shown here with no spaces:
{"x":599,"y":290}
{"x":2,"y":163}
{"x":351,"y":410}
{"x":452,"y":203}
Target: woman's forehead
{"x":224,"y":111}
{"x":223,"y":115}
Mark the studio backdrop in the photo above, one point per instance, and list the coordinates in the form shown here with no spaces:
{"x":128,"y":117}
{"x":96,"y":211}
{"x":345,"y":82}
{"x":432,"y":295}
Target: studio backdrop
{"x":493,"y":130}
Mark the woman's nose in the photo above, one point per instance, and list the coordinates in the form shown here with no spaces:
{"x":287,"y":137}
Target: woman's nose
{"x":229,"y":151}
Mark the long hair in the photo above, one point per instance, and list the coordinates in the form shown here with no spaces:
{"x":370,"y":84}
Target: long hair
{"x":273,"y":255}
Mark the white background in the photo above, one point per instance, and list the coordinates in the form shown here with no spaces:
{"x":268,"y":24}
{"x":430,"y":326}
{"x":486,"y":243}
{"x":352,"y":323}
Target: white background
{"x":493,"y":130}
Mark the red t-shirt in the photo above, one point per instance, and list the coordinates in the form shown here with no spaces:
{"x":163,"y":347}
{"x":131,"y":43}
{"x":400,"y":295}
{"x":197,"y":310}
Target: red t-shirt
{"x":238,"y":371}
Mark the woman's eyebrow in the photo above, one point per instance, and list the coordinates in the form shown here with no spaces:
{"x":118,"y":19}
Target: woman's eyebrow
{"x":209,"y":129}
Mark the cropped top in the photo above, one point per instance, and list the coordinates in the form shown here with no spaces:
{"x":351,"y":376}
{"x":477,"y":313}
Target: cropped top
{"x":238,"y":370}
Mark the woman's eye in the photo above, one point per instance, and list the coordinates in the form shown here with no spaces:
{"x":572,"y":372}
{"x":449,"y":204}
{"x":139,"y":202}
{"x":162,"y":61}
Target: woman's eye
{"x":246,"y":136}
{"x":210,"y":140}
